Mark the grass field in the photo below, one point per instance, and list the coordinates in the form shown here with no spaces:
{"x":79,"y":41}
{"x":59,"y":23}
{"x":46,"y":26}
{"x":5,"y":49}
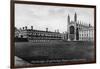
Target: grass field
{"x":30,"y":51}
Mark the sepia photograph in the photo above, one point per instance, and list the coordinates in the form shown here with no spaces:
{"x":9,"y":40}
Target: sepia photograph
{"x":47,"y":34}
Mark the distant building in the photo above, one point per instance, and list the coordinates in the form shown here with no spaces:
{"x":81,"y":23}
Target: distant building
{"x":79,"y":31}
{"x":38,"y":35}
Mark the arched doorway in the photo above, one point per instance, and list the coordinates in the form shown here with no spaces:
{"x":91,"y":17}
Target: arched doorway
{"x":72,"y":32}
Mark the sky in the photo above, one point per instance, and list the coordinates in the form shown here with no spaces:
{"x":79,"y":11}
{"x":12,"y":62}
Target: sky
{"x":51,"y":17}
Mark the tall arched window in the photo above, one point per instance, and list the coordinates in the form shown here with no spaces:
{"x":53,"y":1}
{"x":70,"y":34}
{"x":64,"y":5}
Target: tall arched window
{"x":71,"y":29}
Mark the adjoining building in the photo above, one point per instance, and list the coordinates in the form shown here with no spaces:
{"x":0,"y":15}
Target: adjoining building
{"x":79,"y":31}
{"x":38,"y":35}
{"x":64,"y":36}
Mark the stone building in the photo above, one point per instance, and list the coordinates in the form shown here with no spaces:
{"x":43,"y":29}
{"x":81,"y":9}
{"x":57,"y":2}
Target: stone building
{"x":38,"y":35}
{"x":64,"y":36}
{"x":79,"y":31}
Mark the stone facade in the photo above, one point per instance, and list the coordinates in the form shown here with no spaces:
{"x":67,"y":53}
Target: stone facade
{"x":79,"y":31}
{"x":39,"y":35}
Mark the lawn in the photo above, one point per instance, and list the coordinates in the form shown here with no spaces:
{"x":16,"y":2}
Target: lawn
{"x":68,"y":50}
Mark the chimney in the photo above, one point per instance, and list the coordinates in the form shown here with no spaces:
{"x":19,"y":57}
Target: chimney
{"x":55,"y":30}
{"x":25,"y":27}
{"x":20,"y":29}
{"x":31,"y":27}
{"x":58,"y":30}
{"x":89,"y":25}
{"x":46,"y":29}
